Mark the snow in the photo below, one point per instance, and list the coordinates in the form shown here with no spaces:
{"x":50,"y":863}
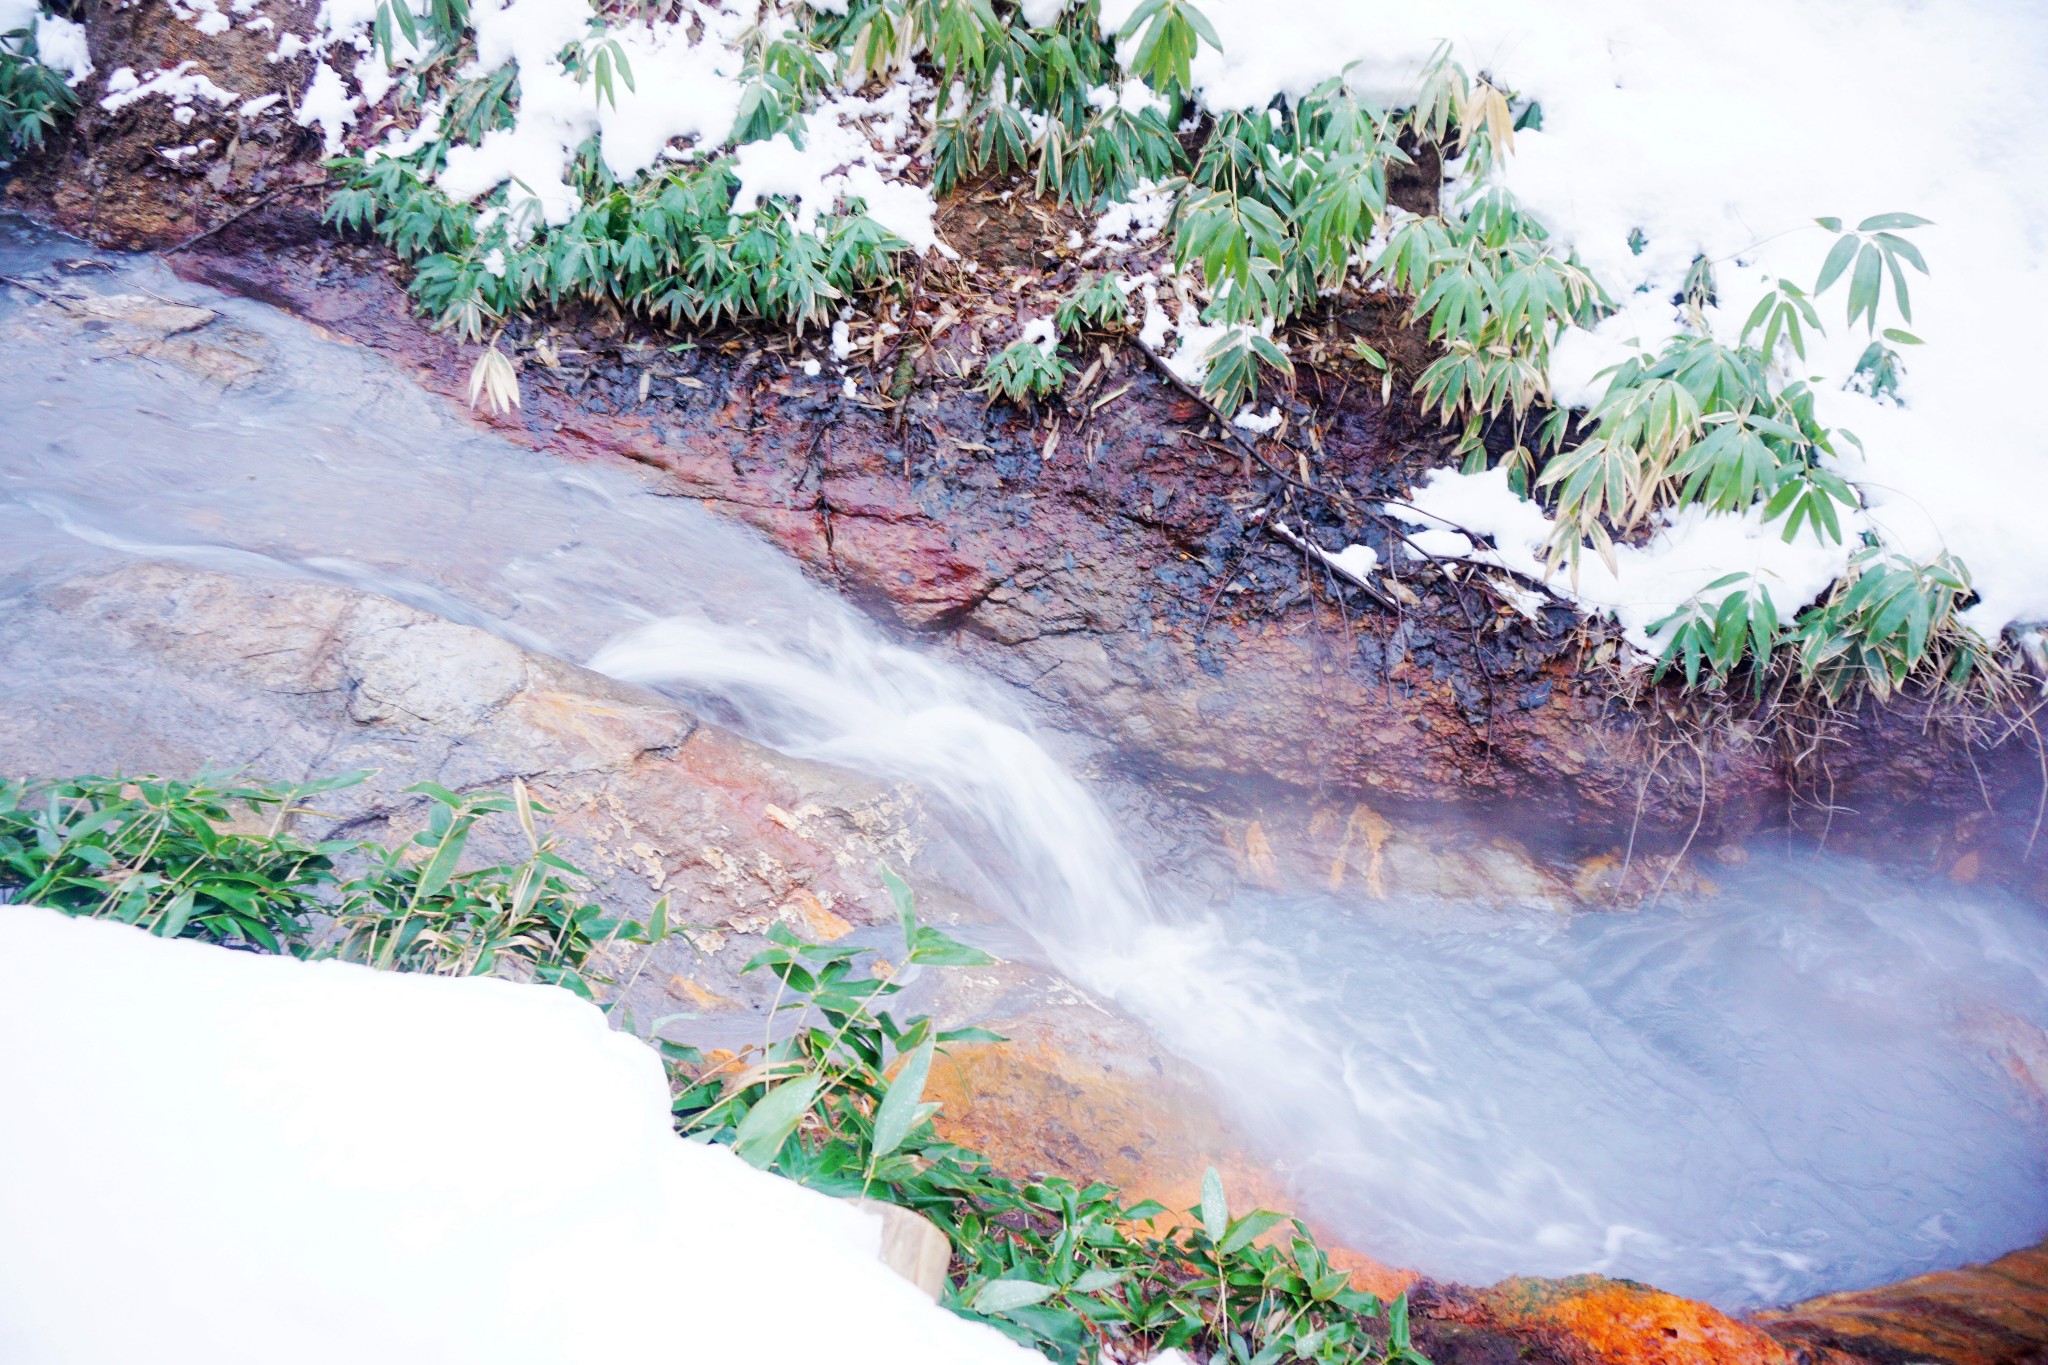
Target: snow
{"x":1152,"y":332}
{"x":1690,"y":549}
{"x":682,"y":91}
{"x":237,"y":1159}
{"x":328,"y":105}
{"x":1728,"y":137}
{"x":60,"y":43}
{"x":1125,"y":223}
{"x":1251,"y":420}
{"x":1044,"y":333}
{"x":204,"y":15}
{"x":180,"y":84}
{"x":1190,"y":359}
{"x":1355,"y":561}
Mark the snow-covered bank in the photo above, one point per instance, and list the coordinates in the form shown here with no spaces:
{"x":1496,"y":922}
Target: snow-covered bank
{"x":1727,"y":134}
{"x":213,"y":1156}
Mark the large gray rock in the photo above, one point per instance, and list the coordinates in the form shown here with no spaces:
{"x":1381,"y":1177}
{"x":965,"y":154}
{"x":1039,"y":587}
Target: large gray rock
{"x":154,"y":668}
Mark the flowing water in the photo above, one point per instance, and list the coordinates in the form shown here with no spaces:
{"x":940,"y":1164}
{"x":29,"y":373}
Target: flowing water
{"x":1823,"y":1077}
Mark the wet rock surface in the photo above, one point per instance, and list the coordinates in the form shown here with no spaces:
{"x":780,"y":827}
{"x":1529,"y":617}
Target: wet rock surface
{"x":167,"y":669}
{"x":1992,"y":1314}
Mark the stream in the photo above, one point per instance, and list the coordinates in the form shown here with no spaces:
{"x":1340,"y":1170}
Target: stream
{"x":1823,"y":1077}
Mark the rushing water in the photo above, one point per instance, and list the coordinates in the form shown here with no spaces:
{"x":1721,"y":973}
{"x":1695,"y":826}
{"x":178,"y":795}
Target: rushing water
{"x":1820,"y":1078}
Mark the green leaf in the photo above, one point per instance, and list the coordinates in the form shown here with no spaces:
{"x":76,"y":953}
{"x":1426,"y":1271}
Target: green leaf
{"x":932,"y":948}
{"x":898,"y":1112}
{"x":1247,"y":1229}
{"x":971,"y":1035}
{"x":1096,"y":1280}
{"x":1001,"y":1296}
{"x":906,"y":905}
{"x":176,"y":916}
{"x":1865,"y":284}
{"x":774,"y":1117}
{"x":1838,"y":260}
{"x":442,"y":865}
{"x":1215,"y":1211}
{"x":1885,"y":221}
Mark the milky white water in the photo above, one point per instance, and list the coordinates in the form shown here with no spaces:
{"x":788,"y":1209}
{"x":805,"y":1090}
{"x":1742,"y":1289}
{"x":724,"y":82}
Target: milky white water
{"x":1809,"y":1082}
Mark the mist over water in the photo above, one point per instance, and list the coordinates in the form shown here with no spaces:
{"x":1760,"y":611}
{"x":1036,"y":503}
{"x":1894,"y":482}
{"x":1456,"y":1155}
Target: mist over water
{"x":1822,"y":1077}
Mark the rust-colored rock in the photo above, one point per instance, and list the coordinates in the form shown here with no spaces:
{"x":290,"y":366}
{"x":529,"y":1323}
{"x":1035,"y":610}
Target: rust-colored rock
{"x":1620,"y":1322}
{"x":1081,"y":1093}
{"x":1992,"y":1314}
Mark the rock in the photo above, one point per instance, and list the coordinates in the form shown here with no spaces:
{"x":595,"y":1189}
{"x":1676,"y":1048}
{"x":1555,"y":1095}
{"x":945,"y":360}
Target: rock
{"x":1361,"y":852}
{"x":168,"y":669}
{"x":194,"y":339}
{"x":1080,"y":1091}
{"x":912,"y":1246}
{"x":1592,"y":1320}
{"x":1993,"y":1314}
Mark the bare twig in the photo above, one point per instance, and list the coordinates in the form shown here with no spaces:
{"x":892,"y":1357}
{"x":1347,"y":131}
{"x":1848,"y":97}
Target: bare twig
{"x":1275,"y":526}
{"x":239,"y":214}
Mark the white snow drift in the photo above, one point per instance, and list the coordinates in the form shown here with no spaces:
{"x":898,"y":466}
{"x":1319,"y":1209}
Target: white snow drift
{"x":1727,"y":132}
{"x":214,"y":1157}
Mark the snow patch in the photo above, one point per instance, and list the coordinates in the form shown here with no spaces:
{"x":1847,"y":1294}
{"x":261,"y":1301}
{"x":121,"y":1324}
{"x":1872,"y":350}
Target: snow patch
{"x":1043,"y":333}
{"x":1125,"y":223}
{"x":180,"y":85}
{"x":327,"y":105}
{"x":1690,"y":549}
{"x":1891,"y":105}
{"x":422,"y":1168}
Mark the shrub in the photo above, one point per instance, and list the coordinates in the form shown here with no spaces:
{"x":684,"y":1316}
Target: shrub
{"x":181,"y":860}
{"x":33,"y":98}
{"x":1072,"y":1270}
{"x":1097,"y":304}
{"x":1275,"y":210}
{"x":1024,"y":370}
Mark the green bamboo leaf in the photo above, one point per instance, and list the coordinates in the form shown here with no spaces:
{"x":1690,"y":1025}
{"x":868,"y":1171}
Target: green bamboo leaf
{"x":1904,"y":301}
{"x":1000,"y":1296}
{"x":1838,"y":260}
{"x":906,"y":905}
{"x":898,"y":1111}
{"x":932,"y":948}
{"x":773,"y":1118}
{"x":1245,"y":1230}
{"x":1892,"y":220}
{"x":1215,"y":1211}
{"x":1865,"y":284}
{"x":442,"y":865}
{"x":1096,"y":1280}
{"x":175,"y":916}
